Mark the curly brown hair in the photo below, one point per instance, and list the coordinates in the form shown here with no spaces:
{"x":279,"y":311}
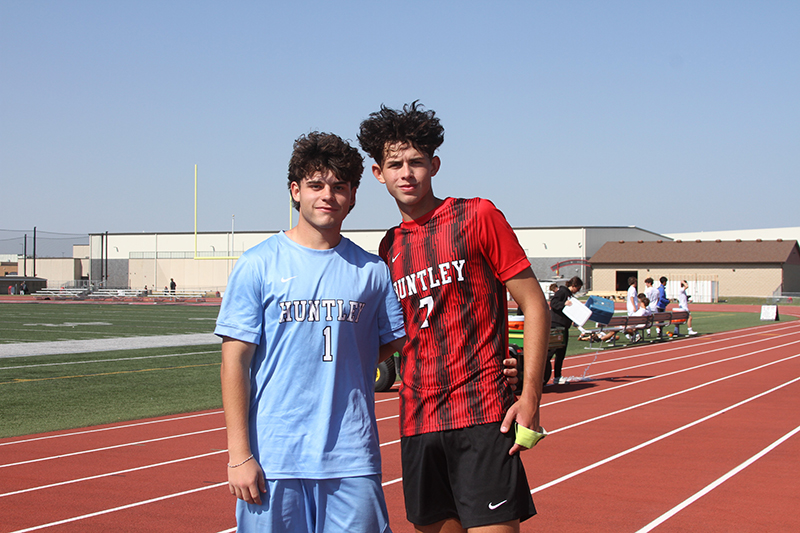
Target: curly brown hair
{"x":413,"y":125}
{"x":318,"y":152}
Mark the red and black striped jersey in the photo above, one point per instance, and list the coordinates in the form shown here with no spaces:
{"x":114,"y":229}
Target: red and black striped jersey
{"x":448,"y":270}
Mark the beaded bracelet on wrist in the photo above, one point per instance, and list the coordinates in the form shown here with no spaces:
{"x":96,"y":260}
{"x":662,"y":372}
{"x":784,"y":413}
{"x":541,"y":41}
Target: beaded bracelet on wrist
{"x":240,"y":464}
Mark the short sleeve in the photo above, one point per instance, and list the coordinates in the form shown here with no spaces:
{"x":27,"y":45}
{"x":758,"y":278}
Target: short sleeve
{"x":499,"y":243}
{"x":390,"y":316}
{"x":241,"y":314}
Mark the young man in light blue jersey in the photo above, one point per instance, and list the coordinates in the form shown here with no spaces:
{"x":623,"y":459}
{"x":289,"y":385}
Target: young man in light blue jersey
{"x":304,"y":318}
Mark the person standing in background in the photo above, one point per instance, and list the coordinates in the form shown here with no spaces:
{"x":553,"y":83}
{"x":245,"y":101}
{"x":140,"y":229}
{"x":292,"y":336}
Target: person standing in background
{"x":558,"y":319}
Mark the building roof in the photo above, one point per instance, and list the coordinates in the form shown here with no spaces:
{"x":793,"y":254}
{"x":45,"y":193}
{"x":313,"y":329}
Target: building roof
{"x":767,"y":234}
{"x":694,"y":252}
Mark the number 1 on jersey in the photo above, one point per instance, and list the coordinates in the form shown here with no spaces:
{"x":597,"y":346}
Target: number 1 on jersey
{"x":327,"y":356}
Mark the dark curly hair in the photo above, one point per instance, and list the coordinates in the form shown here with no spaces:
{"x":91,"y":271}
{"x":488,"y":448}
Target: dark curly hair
{"x":318,"y":152}
{"x":421,"y":129}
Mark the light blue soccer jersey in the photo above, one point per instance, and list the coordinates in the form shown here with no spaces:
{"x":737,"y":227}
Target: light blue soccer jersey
{"x":318,"y":318}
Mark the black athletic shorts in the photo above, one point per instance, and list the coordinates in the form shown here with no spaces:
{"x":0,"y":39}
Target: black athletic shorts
{"x":464,"y":474}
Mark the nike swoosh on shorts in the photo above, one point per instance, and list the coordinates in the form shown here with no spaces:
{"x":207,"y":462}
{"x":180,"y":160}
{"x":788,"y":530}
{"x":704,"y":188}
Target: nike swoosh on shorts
{"x":493,"y":506}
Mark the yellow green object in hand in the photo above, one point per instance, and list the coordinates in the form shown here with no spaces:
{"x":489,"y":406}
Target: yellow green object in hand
{"x":527,"y":437}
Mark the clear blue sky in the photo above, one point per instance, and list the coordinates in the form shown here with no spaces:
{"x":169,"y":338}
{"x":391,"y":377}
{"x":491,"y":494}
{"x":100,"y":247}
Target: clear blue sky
{"x":671,"y":116}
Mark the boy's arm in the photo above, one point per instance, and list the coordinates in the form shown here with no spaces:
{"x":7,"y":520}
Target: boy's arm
{"x":245,"y":481}
{"x":387,"y":350}
{"x":528,"y":294}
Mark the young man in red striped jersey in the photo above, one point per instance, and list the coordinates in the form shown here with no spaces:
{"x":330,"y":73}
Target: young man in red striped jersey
{"x":451,"y":261}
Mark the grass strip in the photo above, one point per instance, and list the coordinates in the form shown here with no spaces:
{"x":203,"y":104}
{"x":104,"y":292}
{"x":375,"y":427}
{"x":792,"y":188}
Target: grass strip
{"x":44,"y":393}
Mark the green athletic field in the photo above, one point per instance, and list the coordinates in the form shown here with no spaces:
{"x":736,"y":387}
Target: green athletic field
{"x":53,"y":322}
{"x":52,"y":392}
{"x":46,"y":393}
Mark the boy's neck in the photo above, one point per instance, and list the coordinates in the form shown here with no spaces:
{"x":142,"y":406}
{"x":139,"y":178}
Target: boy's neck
{"x":420,"y":209}
{"x":309,"y":236}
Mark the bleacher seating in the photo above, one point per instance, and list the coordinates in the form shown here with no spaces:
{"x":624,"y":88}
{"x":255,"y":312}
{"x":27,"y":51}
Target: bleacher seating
{"x":141,"y":294}
{"x":178,"y":294}
{"x":111,"y":294}
{"x":61,"y":293}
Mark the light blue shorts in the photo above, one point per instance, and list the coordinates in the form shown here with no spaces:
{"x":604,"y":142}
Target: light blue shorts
{"x":352,"y":504}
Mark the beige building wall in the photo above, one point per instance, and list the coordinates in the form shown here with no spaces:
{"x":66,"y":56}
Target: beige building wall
{"x":733,"y":280}
{"x":58,"y":271}
{"x":189,"y":274}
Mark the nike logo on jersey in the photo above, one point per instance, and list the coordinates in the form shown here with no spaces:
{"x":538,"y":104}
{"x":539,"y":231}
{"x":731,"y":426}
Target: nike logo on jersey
{"x":395,"y":258}
{"x":284,"y":280}
{"x":493,"y":506}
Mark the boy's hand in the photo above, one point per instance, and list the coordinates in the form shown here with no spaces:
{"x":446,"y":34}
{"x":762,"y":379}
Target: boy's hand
{"x":247,"y":482}
{"x":510,"y":372}
{"x":524,"y":414}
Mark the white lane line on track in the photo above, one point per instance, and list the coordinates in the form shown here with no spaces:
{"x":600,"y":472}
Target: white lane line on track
{"x":386,"y":418}
{"x":659,"y":438}
{"x":106,"y":360}
{"x":600,"y":417}
{"x":392,"y":399}
{"x":694,"y":354}
{"x":594,"y":419}
{"x":667,"y":346}
{"x":645,"y":380}
{"x":397,"y":480}
{"x":109,"y":474}
{"x":675,"y":510}
{"x":104,"y":448}
{"x":120,"y":508}
{"x":673,"y":394}
{"x":112,"y":428}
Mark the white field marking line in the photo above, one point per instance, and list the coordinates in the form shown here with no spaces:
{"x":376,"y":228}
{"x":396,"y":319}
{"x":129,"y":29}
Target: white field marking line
{"x":106,"y":360}
{"x":109,"y":474}
{"x":99,"y":430}
{"x":645,"y":380}
{"x":390,"y":442}
{"x":120,"y":508}
{"x":600,"y":417}
{"x":675,"y":510}
{"x":672,"y":348}
{"x":673,"y":394}
{"x":388,"y":418}
{"x":659,"y":438}
{"x":104,"y":448}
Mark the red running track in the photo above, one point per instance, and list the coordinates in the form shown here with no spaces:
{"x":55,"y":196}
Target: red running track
{"x":694,"y":434}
